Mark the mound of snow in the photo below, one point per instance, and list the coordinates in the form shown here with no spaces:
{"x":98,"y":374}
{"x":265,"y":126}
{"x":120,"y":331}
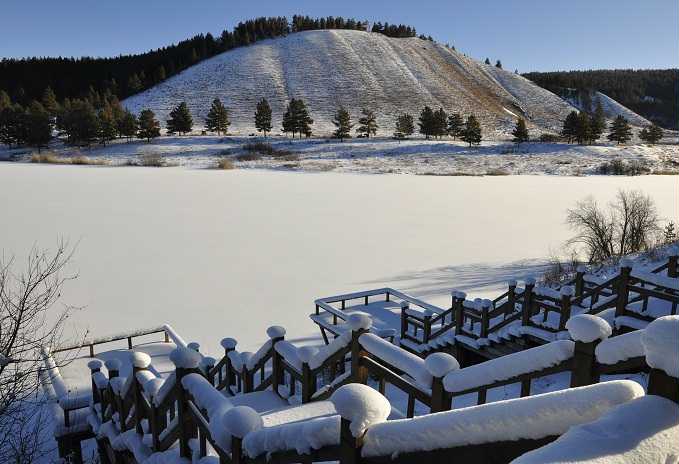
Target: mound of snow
{"x":661,"y":344}
{"x":361,"y":405}
{"x":587,"y":328}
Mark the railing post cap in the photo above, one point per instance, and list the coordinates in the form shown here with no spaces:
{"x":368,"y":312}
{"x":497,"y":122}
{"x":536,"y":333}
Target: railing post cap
{"x":195,"y":346}
{"x":208,"y":362}
{"x":404,"y":304}
{"x":141,"y":360}
{"x":113,"y":364}
{"x":486,"y":303}
{"x":461,"y":295}
{"x":94,"y":365}
{"x":587,"y":328}
{"x":185,"y":358}
{"x":275,"y":331}
{"x":581,"y":269}
{"x":660,"y":339}
{"x":567,"y":290}
{"x":360,"y":405}
{"x":229,"y":343}
{"x":529,"y":281}
{"x":359,"y":321}
{"x":673,"y":251}
{"x":440,"y":364}
{"x":429,"y":312}
{"x":306,"y":353}
{"x":511,"y":283}
{"x":241,"y":420}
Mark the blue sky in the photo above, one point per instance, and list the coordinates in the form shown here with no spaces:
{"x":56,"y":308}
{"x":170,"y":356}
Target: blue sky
{"x":529,"y":35}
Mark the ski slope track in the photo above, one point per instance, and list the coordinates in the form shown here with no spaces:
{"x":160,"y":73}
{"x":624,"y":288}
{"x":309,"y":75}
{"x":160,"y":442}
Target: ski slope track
{"x":355,"y":69}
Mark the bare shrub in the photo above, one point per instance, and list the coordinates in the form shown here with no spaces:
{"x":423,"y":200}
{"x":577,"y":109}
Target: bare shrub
{"x":497,"y":172}
{"x":30,"y":321}
{"x":618,"y":167}
{"x":266,"y":149}
{"x":560,"y":270}
{"x":630,"y":224}
{"x":225,"y":163}
{"x":154,"y":160}
{"x":47,"y":158}
{"x":248,"y":157}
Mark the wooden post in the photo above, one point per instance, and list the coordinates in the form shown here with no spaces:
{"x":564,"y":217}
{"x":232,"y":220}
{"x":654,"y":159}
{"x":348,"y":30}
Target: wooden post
{"x":404,"y":319}
{"x":623,"y":281}
{"x":95,"y":366}
{"x":584,"y":359}
{"x":229,"y":344}
{"x":129,"y":343}
{"x":308,"y":383}
{"x":441,"y":400}
{"x":511,"y":298}
{"x":459,"y":313}
{"x":661,"y":384}
{"x":485,"y":308}
{"x":138,"y":416}
{"x":276,"y":365}
{"x":579,"y":281}
{"x":427,"y":327}
{"x":565,"y":314}
{"x":236,"y":450}
{"x":350,"y":446}
{"x":673,"y":265}
{"x":187,"y":429}
{"x":527,"y":308}
{"x":359,"y":374}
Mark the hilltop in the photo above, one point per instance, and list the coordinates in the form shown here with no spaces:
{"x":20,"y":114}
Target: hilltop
{"x":356,"y":69}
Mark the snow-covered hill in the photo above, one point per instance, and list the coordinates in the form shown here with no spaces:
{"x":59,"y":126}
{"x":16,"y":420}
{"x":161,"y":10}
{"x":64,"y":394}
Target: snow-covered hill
{"x":356,"y":69}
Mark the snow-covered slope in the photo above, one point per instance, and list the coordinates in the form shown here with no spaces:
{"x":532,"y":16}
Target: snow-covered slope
{"x":356,"y":69}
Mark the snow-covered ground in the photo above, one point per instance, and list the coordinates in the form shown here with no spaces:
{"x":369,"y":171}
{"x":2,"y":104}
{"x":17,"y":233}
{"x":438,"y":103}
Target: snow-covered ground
{"x":385,"y":155}
{"x":229,"y":253}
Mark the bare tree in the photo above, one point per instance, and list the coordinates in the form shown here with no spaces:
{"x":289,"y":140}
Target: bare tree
{"x":30,"y":321}
{"x":630,"y":224}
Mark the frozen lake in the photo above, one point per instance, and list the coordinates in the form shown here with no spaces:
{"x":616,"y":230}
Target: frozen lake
{"x":228,"y":253}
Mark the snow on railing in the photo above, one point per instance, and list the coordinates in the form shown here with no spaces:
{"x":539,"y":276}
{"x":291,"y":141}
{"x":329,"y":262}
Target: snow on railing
{"x":670,"y":283}
{"x":661,"y":345}
{"x":620,"y":348}
{"x":410,"y":364}
{"x":535,"y":417}
{"x":509,"y":366}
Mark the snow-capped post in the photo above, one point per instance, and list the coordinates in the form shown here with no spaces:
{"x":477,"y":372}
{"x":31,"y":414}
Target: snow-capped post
{"x":404,"y":319}
{"x":229,"y":344}
{"x":95,"y":366}
{"x":186,"y":361}
{"x":360,"y":407}
{"x":438,"y":365}
{"x":527,"y":307}
{"x":359,"y":323}
{"x":113,"y":368}
{"x":247,"y":376}
{"x":566,"y":295}
{"x":623,"y":282}
{"x":195,"y":346}
{"x":485,"y":321}
{"x":305,"y":354}
{"x":140,"y":362}
{"x":276,"y":334}
{"x":673,"y":262}
{"x":660,"y":340}
{"x":207,"y":365}
{"x":579,"y":280}
{"x":511,"y":297}
{"x":587,"y":331}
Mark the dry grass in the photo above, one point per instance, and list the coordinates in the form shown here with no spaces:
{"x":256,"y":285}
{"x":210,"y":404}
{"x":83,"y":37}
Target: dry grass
{"x":248,"y":157}
{"x":225,"y":164}
{"x":154,"y":160}
{"x":80,"y":160}
{"x":496,"y":172}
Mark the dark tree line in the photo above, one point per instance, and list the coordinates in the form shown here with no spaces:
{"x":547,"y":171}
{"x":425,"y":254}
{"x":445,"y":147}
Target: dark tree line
{"x":653,"y":93}
{"x":95,"y":78}
{"x":393,"y":30}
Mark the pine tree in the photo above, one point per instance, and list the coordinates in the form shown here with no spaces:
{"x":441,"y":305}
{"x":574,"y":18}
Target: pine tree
{"x":180,"y":120}
{"x":5,"y":101}
{"x":583,"y":132}
{"x":128,"y":125}
{"x":620,"y":130}
{"x":342,"y":122}
{"x":472,"y":131}
{"x":38,"y":125}
{"x":670,"y":233}
{"x":520,"y":132}
{"x":134,"y":84}
{"x":12,"y":125}
{"x":405,"y":126}
{"x":263,"y":116}
{"x":108,"y":128}
{"x":597,"y":122}
{"x":49,"y":102}
{"x":367,"y":123}
{"x":217,"y":118}
{"x":455,"y":125}
{"x":487,"y":61}
{"x":149,"y":127}
{"x":301,"y":119}
{"x":570,"y":127}
{"x":288,"y":123}
{"x":498,"y":64}
{"x":440,"y":123}
{"x":652,"y":134}
{"x":82,"y":123}
{"x":426,"y":122}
